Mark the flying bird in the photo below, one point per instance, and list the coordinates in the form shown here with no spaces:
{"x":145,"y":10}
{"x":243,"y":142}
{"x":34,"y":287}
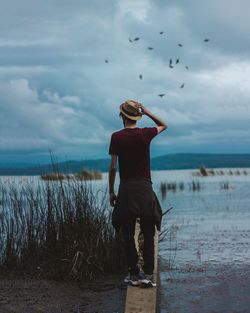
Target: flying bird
{"x":130,"y":40}
{"x":106,"y":61}
{"x":207,"y":40}
{"x":170,"y":63}
{"x":150,"y":48}
{"x":177,"y":61}
{"x":186,"y":67}
{"x":161,"y":33}
{"x":161,"y":95}
{"x":182,"y":86}
{"x":137,"y":38}
{"x":140,"y":76}
{"x":180,"y":45}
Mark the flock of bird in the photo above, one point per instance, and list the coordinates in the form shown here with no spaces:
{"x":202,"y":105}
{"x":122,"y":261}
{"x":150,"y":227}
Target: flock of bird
{"x":171,"y":61}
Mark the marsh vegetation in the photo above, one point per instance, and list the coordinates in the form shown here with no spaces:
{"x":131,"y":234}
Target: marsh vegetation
{"x":58,"y":229}
{"x":82,"y":175}
{"x":203,"y":171}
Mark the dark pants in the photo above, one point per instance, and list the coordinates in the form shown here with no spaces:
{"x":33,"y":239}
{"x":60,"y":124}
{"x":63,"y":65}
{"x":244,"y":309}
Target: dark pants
{"x":148,"y":230}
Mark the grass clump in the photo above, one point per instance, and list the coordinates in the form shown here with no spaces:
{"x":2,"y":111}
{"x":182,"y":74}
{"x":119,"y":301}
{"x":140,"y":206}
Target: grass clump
{"x":195,"y":186}
{"x":167,"y":186}
{"x":225,"y":185}
{"x":82,"y":175}
{"x":88,"y":175}
{"x":54,"y":176}
{"x":57,"y":229}
{"x":203,"y":171}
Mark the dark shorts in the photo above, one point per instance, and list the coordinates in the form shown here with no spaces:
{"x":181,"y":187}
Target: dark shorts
{"x":136,"y":199}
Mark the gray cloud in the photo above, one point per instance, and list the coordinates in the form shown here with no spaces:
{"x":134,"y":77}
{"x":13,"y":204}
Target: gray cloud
{"x":57,"y":92}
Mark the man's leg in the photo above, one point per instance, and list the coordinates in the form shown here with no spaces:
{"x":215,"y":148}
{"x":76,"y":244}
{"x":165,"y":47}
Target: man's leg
{"x":128,"y":230}
{"x":148,"y":230}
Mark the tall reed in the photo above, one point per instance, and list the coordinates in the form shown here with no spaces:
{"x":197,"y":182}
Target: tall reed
{"x":57,"y":229}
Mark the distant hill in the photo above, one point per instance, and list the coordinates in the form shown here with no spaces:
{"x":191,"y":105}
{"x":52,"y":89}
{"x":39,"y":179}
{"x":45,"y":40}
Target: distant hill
{"x":195,"y":160}
{"x":164,"y":162}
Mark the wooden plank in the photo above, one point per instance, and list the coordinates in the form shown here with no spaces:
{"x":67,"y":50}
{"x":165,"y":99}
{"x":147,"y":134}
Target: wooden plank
{"x":143,"y":300}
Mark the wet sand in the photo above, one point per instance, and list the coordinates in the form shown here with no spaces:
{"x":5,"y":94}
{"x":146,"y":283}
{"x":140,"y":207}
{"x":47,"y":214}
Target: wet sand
{"x":212,"y":288}
{"x":19,"y":295}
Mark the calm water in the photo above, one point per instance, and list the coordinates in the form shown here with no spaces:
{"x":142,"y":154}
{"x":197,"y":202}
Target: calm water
{"x":208,"y":229}
{"x":207,"y":247}
{"x":212,"y":224}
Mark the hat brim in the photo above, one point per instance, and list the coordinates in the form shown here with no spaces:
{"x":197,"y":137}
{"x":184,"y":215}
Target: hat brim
{"x":131,"y":117}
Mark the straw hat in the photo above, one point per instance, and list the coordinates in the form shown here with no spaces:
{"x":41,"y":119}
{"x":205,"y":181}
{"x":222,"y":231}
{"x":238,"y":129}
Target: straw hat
{"x":129,"y":109}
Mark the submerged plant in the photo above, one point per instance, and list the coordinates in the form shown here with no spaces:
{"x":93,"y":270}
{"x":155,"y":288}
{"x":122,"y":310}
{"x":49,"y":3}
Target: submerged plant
{"x":203,"y":171}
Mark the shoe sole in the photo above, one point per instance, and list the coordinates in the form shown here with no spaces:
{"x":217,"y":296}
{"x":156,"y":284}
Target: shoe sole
{"x":131,"y":283}
{"x":147,"y":284}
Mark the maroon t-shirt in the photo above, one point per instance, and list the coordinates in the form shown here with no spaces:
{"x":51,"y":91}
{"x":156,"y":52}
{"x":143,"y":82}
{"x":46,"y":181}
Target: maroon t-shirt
{"x":132,"y":145}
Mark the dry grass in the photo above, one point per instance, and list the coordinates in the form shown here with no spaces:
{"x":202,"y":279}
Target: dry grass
{"x":87,"y":175}
{"x":203,"y":171}
{"x":57,"y":229}
{"x":83,"y":175}
{"x":55,"y":176}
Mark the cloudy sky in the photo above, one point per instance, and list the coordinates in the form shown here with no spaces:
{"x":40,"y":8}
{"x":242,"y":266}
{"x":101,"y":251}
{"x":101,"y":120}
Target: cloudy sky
{"x":57,"y":92}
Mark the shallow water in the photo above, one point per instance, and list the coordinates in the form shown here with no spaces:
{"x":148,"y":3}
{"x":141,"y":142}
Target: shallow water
{"x":205,"y":258}
{"x":208,"y":225}
{"x":208,"y":246}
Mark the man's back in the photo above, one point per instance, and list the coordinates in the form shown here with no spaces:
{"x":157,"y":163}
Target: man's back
{"x":136,"y":197}
{"x":132,"y":145}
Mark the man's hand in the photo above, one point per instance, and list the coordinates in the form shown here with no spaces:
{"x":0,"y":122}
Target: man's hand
{"x":141,"y":107}
{"x":161,"y":126}
{"x":112,"y":199}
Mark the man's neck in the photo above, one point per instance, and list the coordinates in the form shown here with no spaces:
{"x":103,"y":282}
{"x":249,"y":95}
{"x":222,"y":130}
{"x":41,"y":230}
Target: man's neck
{"x":130,"y":126}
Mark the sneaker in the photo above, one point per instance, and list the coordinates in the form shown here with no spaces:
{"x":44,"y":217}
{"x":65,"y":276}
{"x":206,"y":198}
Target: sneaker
{"x":132,"y":280}
{"x":147,"y":281}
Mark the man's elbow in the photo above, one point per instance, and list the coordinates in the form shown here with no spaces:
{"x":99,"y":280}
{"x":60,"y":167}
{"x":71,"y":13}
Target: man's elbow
{"x":162,"y":128}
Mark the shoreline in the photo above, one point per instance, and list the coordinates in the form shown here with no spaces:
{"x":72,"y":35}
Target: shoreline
{"x":34,"y":295}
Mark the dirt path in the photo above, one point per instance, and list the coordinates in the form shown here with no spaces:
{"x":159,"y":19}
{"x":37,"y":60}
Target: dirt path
{"x":42,"y":296}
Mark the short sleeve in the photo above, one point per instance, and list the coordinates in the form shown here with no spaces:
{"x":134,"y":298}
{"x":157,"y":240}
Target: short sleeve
{"x":113,"y":147}
{"x":149,"y":133}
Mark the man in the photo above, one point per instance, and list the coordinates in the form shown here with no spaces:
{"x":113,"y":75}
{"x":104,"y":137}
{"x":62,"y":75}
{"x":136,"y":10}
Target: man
{"x":136,"y":198}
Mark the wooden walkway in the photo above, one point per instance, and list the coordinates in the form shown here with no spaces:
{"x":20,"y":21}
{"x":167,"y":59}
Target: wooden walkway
{"x":143,"y":300}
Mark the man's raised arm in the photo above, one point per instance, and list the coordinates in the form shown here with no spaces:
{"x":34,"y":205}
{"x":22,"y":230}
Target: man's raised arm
{"x":161,"y":126}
